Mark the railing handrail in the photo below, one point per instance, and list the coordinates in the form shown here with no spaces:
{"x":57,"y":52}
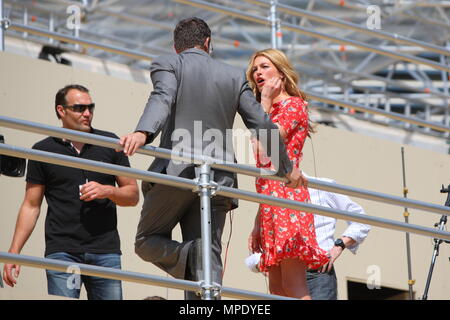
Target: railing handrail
{"x":130,"y":276}
{"x":118,"y":170}
{"x":83,"y":42}
{"x":392,"y":115}
{"x":233,"y":167}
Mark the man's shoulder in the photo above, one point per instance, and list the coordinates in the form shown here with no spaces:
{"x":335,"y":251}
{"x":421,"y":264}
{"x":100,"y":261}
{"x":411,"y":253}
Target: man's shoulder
{"x":104,"y":133}
{"x":229,"y":68}
{"x":170,"y":58}
{"x":45,"y":144}
{"x":174,"y":59}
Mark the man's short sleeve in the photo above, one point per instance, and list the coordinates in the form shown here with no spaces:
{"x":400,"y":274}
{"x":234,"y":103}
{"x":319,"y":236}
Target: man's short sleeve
{"x":122,"y":159}
{"x":35,"y":171}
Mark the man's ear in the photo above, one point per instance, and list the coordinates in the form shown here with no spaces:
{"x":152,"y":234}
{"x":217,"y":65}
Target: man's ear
{"x":207,"y":44}
{"x":60,"y":110}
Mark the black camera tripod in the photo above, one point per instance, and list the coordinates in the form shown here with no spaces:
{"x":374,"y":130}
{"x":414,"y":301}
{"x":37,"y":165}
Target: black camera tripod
{"x":437,"y":242}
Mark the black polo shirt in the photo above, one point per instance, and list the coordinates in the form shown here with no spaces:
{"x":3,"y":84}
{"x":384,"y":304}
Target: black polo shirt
{"x":73,"y":225}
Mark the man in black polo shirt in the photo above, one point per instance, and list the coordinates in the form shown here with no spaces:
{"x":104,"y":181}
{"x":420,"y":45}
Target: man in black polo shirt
{"x":81,"y":221}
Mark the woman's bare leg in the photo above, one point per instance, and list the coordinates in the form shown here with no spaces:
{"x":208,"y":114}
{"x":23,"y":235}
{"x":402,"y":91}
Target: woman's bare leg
{"x":293,"y":279}
{"x":275,"y":281}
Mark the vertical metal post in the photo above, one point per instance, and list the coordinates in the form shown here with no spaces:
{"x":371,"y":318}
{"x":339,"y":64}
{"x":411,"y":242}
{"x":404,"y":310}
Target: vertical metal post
{"x":205,"y":205}
{"x":273,"y":23}
{"x":25,"y":21}
{"x":279,"y":34}
{"x":445,"y":79}
{"x":407,"y":112}
{"x":445,"y":75}
{"x":447,"y":123}
{"x":76,"y":34}
{"x":51,"y":27}
{"x":408,"y":246}
{"x":2,"y":31}
{"x":387,"y":106}
{"x":367,"y":103}
{"x":427,"y":117}
{"x":346,"y":97}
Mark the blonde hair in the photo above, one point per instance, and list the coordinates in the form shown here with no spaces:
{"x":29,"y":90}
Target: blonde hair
{"x":282,"y":64}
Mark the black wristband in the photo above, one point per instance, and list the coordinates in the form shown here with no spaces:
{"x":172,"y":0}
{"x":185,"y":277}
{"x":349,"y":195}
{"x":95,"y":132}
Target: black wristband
{"x":339,"y":243}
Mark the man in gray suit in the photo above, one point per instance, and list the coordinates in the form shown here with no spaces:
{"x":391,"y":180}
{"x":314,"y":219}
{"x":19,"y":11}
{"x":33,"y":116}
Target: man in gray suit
{"x":193,"y":96}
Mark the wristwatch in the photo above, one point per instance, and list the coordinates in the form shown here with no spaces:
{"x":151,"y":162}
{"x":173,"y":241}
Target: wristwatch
{"x":339,"y":243}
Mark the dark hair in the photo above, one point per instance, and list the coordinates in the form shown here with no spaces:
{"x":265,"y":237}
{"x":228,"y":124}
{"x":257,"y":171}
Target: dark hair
{"x":189,"y":33}
{"x":60,"y":98}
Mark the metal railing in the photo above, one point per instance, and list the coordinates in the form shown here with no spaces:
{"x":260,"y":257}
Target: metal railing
{"x":2,"y":28}
{"x":206,"y":189}
{"x":107,"y":142}
{"x":392,"y":115}
{"x":117,"y":170}
{"x":129,"y":276}
{"x":83,"y":42}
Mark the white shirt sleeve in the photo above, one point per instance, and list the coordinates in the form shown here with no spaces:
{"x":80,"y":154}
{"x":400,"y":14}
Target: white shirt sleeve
{"x":355,"y":230}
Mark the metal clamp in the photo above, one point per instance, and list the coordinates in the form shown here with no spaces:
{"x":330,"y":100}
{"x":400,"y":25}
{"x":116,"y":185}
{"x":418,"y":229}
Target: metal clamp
{"x":5,"y":23}
{"x":215,"y":288}
{"x":212,"y":185}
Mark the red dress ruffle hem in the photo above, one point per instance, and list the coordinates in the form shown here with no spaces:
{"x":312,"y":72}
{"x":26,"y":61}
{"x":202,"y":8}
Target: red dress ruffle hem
{"x":287,"y":233}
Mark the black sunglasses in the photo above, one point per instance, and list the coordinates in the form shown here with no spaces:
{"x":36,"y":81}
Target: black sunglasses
{"x":81,"y":107}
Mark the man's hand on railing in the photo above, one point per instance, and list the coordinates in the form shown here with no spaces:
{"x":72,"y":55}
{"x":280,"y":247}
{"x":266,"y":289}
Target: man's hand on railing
{"x":296,"y":178}
{"x":132,"y":141}
{"x":8,"y":274}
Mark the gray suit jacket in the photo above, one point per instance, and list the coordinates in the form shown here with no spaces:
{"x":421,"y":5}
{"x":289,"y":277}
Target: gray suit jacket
{"x":194,"y":101}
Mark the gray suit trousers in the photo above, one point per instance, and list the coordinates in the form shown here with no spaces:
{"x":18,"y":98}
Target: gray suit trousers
{"x":163,"y":208}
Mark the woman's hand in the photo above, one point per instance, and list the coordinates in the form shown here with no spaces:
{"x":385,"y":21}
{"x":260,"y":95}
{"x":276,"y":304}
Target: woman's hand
{"x":254,"y":240}
{"x":271,"y":89}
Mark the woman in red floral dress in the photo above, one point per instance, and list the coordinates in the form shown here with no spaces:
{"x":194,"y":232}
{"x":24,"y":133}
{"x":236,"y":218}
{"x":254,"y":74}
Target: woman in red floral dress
{"x":286,"y":238}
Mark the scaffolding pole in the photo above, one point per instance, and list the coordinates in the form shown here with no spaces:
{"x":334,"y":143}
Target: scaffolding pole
{"x":397,"y":38}
{"x":273,"y":23}
{"x":83,"y":42}
{"x":408,"y":244}
{"x":2,"y":28}
{"x":315,"y":34}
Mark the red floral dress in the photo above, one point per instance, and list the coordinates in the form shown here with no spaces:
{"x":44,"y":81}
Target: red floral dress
{"x":287,"y":233}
